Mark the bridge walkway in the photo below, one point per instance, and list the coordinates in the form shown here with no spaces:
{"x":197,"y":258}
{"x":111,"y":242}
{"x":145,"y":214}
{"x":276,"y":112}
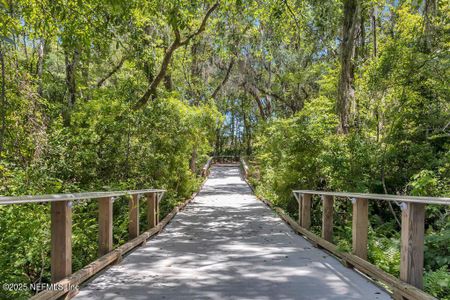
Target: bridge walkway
{"x":227,"y":244}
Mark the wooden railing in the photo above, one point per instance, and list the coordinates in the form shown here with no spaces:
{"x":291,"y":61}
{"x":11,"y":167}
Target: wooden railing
{"x":225,"y":159}
{"x":244,"y":168}
{"x":205,"y":170}
{"x":412,"y":235}
{"x":219,"y":159}
{"x":61,"y":228}
{"x":410,"y":284}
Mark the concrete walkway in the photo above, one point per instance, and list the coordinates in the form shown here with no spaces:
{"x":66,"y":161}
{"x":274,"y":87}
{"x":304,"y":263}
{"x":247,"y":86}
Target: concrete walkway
{"x":229,"y":245}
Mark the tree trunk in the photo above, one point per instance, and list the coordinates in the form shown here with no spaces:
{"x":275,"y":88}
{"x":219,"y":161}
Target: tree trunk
{"x":374,"y":30}
{"x":268,"y":106}
{"x":126,"y":171}
{"x":195,"y":74}
{"x":40,"y":65}
{"x":85,"y":67}
{"x":429,"y":12}
{"x":3,"y":102}
{"x":232,"y":130}
{"x":168,"y":83}
{"x":150,"y":93}
{"x":225,"y":79}
{"x":25,"y":50}
{"x":115,"y":69}
{"x":247,"y":133}
{"x":362,"y":35}
{"x":346,"y":92}
{"x":217,"y":150}
{"x":237,"y":136}
{"x":71,"y":66}
{"x":193,"y":161}
{"x":253,"y":91}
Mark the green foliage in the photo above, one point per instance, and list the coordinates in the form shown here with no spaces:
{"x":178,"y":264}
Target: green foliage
{"x":24,"y":246}
{"x":107,"y":147}
{"x":399,"y":144}
{"x":385,"y":252}
{"x":437,"y":249}
{"x":437,"y":283}
{"x":72,"y":72}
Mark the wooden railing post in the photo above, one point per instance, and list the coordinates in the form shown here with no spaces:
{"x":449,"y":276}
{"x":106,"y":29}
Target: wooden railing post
{"x":298,"y":197}
{"x":360,"y":227}
{"x":306,"y":211}
{"x":61,"y":237}
{"x":152,"y":210}
{"x":412,"y":243}
{"x":133,"y":211}
{"x":327,"y":218}
{"x":105,"y":223}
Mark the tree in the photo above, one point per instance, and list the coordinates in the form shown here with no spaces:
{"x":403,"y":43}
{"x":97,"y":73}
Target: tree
{"x":178,"y":41}
{"x":346,"y":91}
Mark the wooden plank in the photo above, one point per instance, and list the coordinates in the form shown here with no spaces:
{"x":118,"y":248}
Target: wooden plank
{"x":105,"y":224}
{"x":245,"y":169}
{"x":71,"y":197}
{"x":360,"y":226}
{"x":88,"y":271}
{"x":205,"y":170}
{"x":152,"y":210}
{"x":133,"y":211}
{"x":61,"y":237}
{"x":327,"y":217}
{"x":412,"y":244}
{"x":383,"y":197}
{"x":306,"y":211}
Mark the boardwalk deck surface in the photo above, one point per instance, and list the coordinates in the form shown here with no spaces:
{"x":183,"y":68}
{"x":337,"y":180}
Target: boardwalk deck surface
{"x":228,"y":245}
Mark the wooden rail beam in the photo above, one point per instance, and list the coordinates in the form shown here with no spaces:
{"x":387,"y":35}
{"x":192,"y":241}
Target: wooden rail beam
{"x":105,"y":224}
{"x":97,"y":265}
{"x":360,"y":226}
{"x":412,"y":243}
{"x":205,"y":170}
{"x":245,"y":169}
{"x":306,"y":211}
{"x":412,"y":237}
{"x":327,"y":218}
{"x":404,"y":289}
{"x":152,"y":210}
{"x":61,"y":236}
{"x":133,"y":211}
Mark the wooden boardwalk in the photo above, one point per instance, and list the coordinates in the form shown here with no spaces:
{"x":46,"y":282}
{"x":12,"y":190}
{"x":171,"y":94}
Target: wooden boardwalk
{"x":227,"y":244}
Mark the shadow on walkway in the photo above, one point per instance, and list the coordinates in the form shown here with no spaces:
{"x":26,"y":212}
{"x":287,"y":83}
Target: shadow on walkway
{"x":229,"y":245}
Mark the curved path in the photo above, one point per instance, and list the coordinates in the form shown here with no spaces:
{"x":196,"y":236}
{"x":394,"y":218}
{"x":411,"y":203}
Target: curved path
{"x":227,"y":244}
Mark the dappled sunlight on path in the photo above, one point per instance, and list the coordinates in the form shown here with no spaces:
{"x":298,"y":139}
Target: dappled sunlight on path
{"x":229,"y":245}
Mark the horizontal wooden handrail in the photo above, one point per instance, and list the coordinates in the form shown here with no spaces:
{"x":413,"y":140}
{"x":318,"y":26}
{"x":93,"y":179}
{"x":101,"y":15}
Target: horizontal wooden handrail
{"x":412,"y":232}
{"x":245,"y":169}
{"x":75,"y":196}
{"x":115,"y":255}
{"x":61,"y":221}
{"x":222,"y":158}
{"x":400,"y":287}
{"x":205,"y":169}
{"x":386,"y":197}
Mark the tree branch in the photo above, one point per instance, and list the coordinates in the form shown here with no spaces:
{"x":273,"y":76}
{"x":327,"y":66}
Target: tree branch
{"x":225,"y":79}
{"x":254,"y":92}
{"x":111,"y":73}
{"x":150,"y":93}
{"x":202,"y":26}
